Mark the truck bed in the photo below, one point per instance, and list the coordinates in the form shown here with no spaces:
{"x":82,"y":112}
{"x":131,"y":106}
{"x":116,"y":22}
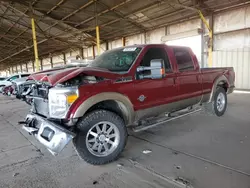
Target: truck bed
{"x":209,"y":75}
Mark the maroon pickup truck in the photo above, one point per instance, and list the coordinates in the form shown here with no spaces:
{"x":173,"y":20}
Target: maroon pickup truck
{"x":139,"y":86}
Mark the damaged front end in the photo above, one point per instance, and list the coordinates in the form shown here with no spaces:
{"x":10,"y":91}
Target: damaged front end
{"x":25,"y":90}
{"x":48,"y":133}
{"x":51,"y":99}
{"x":46,"y":120}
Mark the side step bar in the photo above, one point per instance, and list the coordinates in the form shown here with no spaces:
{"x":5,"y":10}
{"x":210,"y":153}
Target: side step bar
{"x":145,"y":127}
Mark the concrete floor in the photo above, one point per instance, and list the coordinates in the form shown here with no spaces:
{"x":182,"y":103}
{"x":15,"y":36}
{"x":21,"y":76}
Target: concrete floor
{"x":198,"y":151}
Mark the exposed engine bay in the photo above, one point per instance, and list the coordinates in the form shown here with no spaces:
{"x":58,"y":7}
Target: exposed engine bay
{"x":81,"y":80}
{"x":35,"y":93}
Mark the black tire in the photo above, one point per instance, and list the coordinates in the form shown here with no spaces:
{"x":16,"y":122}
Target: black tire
{"x":87,"y":123}
{"x":212,"y":107}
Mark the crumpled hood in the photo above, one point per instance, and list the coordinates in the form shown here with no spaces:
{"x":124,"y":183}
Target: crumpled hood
{"x":59,"y":76}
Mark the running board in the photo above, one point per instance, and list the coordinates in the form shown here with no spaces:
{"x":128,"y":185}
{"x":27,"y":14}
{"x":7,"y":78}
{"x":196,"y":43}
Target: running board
{"x":145,"y":127}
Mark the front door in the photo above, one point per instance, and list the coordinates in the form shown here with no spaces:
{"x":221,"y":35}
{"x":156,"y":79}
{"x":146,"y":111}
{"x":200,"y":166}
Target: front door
{"x":153,"y":95}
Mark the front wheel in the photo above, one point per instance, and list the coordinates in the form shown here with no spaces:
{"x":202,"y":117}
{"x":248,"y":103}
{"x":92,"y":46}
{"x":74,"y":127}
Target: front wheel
{"x":219,"y":104}
{"x":102,"y":137}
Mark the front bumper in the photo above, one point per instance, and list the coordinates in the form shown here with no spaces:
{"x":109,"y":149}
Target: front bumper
{"x":51,"y":135}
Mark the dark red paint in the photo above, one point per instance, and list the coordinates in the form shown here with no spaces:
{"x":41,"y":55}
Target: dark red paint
{"x":174,"y":87}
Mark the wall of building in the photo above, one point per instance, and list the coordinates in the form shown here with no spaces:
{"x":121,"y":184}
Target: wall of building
{"x":232,"y":43}
{"x":240,"y":60}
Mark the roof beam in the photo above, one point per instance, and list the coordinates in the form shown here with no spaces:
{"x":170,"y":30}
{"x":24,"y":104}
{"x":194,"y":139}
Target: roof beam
{"x":57,"y":38}
{"x":145,"y":8}
{"x":151,"y":20}
{"x":56,"y":6}
{"x":41,"y":35}
{"x":33,"y":3}
{"x":56,"y":23}
{"x":104,"y":11}
{"x":119,"y":14}
{"x":4,"y":13}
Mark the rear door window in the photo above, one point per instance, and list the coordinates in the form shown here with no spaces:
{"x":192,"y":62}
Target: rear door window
{"x":183,"y":59}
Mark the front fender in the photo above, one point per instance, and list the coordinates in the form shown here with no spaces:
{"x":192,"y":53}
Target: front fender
{"x":122,"y":100}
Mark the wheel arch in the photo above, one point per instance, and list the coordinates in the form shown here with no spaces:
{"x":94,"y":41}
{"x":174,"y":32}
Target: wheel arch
{"x":220,"y":81}
{"x":112,"y":101}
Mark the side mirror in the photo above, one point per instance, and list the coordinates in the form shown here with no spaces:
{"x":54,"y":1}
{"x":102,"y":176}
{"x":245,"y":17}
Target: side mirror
{"x":157,"y":69}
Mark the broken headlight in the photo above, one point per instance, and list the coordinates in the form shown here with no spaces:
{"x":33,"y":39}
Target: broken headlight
{"x":60,"y":99}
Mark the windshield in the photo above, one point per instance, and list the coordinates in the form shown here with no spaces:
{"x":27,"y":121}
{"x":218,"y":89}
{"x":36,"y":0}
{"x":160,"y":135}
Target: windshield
{"x":118,"y":60}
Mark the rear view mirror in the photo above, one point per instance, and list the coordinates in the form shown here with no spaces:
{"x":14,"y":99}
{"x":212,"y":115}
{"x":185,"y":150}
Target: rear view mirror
{"x":157,"y":69}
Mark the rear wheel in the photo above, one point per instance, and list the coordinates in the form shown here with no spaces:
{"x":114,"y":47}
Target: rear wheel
{"x":102,"y":137}
{"x":219,"y":104}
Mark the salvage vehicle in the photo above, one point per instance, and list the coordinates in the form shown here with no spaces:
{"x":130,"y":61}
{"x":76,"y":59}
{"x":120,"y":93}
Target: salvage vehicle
{"x":138,"y":86}
{"x":8,"y":81}
{"x":13,"y":88}
{"x":23,"y":90}
{"x":8,"y":90}
{"x":16,"y":85}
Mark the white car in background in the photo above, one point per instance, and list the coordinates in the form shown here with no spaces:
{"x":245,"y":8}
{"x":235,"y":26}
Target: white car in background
{"x":8,"y":81}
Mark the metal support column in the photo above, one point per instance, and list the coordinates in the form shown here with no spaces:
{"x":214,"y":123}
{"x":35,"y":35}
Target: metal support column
{"x":93,"y":52}
{"x":107,"y":46}
{"x":98,"y":40}
{"x":33,"y":66}
{"x":211,"y":39}
{"x":51,"y":62}
{"x":26,"y":65}
{"x":35,"y":43}
{"x":64,"y":59}
{"x":41,"y":64}
{"x":210,"y":45}
{"x":145,"y":37}
{"x":123,"y":41}
{"x":81,"y":53}
{"x":202,"y":45}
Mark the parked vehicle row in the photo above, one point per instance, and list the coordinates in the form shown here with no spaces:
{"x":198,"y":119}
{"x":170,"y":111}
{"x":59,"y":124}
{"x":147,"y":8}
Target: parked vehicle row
{"x":21,"y":84}
{"x":125,"y":87}
{"x":9,"y":81}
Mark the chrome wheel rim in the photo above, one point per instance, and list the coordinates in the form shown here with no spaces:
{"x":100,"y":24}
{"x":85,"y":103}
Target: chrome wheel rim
{"x":102,"y":139}
{"x":221,"y":101}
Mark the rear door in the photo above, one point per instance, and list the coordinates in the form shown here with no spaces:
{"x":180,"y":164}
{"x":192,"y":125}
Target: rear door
{"x":152,"y":95}
{"x":188,"y":76}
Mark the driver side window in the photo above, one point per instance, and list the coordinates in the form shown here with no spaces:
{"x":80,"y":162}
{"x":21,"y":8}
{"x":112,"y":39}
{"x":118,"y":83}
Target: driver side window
{"x":155,"y":53}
